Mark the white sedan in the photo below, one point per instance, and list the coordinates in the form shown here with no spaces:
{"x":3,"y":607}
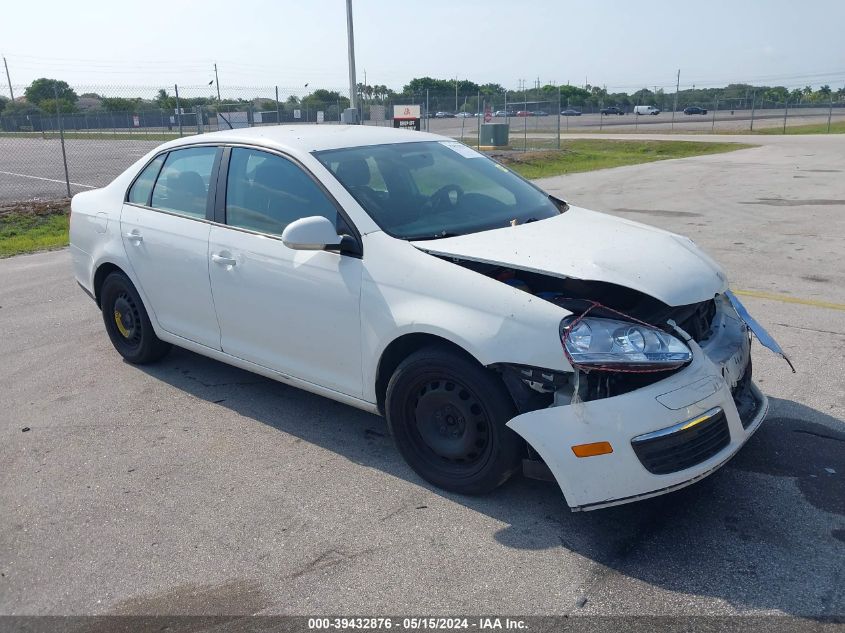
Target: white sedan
{"x":497,"y":328}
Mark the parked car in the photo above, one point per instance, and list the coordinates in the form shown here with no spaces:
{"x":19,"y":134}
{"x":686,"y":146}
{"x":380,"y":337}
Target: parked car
{"x":444,"y":115}
{"x":524,"y":113}
{"x":646,"y":109}
{"x":465,"y":115}
{"x":495,"y":327}
{"x":611,"y":110}
{"x":570,"y":112}
{"x":539,"y":113}
{"x":694,"y":110}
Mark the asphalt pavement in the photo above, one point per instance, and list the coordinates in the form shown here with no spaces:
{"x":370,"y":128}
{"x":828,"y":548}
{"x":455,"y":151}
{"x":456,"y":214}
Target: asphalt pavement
{"x":192,"y":487}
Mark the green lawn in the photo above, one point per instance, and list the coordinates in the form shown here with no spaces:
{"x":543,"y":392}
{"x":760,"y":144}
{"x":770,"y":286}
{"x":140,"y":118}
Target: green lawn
{"x":590,"y":154}
{"x":836,"y":127}
{"x":26,"y":232}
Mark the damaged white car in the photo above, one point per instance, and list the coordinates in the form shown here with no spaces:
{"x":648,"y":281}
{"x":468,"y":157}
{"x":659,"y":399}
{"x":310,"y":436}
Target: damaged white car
{"x":496,"y":327}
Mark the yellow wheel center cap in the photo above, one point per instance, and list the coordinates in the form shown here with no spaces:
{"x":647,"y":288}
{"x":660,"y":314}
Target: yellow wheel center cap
{"x":118,"y":319}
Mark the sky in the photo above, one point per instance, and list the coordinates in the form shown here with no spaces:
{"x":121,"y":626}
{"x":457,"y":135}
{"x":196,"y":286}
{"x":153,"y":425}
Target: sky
{"x":623,"y":45}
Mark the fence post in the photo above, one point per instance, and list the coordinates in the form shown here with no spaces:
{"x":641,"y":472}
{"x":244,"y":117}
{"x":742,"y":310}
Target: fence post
{"x":178,"y":109}
{"x":753,"y":103}
{"x":715,"y":110}
{"x":558,"y":117}
{"x":525,"y":132}
{"x":829,"y":114}
{"x":478,"y":118}
{"x":785,"y":111}
{"x":278,"y":110}
{"x":62,"y":137}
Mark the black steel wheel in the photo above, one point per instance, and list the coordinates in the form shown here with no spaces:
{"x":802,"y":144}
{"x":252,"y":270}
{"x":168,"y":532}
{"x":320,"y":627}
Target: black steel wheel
{"x":447,"y":416}
{"x":127,"y":322}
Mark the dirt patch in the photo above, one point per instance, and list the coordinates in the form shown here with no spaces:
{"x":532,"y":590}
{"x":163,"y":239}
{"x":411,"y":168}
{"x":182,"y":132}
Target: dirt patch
{"x":36,"y":207}
{"x":516,"y":157}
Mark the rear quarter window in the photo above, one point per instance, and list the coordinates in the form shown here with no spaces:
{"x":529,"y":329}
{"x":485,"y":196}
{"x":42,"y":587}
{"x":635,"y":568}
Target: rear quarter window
{"x":141,"y":189}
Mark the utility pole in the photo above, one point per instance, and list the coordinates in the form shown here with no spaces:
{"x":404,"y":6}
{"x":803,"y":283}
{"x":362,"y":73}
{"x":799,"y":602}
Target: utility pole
{"x":9,"y":79}
{"x":217,"y":82}
{"x":675,"y":105}
{"x":456,"y":95}
{"x":351,"y":46}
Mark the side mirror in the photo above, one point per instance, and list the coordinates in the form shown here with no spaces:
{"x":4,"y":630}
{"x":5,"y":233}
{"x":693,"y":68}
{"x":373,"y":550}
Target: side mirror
{"x":310,"y":234}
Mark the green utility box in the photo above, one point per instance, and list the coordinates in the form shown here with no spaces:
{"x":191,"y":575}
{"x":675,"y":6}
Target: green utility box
{"x":494,"y":135}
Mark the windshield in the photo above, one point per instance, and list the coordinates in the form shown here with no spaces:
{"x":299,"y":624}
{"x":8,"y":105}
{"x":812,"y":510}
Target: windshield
{"x":435,"y":189}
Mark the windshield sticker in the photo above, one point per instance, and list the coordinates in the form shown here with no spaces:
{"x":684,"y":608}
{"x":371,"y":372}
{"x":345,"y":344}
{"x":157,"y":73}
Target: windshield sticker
{"x":460,"y":148}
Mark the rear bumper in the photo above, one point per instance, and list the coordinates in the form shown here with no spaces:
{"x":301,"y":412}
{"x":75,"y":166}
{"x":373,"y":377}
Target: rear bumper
{"x":716,"y":379}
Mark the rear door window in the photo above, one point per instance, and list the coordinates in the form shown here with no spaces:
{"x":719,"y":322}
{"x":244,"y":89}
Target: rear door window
{"x":182,"y":185}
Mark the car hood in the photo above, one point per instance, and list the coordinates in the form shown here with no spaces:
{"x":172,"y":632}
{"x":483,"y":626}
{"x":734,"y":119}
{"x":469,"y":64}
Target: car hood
{"x":591,"y":246}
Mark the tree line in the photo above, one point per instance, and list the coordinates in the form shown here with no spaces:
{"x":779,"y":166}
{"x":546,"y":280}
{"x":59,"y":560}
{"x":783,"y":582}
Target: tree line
{"x":46,"y":96}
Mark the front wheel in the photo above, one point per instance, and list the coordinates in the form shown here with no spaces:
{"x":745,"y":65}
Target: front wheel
{"x":447,"y":416}
{"x":127,"y":322}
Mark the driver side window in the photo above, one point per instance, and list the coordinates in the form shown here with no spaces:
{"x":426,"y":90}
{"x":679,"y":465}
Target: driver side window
{"x":266,"y":192}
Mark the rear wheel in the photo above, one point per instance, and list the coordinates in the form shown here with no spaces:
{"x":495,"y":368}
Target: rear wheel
{"x":127,"y":322}
{"x":447,"y":416}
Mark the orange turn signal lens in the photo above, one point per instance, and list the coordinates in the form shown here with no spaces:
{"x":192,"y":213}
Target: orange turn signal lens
{"x":590,"y":450}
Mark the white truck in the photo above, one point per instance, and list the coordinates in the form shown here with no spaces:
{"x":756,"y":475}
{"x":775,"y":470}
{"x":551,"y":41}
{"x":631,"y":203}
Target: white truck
{"x":646,"y":109}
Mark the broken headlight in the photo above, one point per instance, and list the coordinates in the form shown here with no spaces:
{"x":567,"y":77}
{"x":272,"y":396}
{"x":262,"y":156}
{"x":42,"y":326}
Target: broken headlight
{"x":596,"y":343}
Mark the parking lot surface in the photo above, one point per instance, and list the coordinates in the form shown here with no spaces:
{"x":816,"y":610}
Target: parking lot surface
{"x":192,"y":487}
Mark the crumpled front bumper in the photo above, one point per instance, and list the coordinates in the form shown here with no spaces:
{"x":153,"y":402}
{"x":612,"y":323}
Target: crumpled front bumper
{"x":621,"y":477}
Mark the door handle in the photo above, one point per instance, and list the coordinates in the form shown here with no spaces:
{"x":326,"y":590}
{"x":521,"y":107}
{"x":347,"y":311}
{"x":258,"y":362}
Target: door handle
{"x":222,"y":260}
{"x":134,"y":237}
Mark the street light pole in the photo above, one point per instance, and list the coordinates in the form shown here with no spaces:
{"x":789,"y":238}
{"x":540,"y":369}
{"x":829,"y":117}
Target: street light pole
{"x":351,"y":45}
{"x":675,"y":104}
{"x":9,"y":79}
{"x":217,"y":83}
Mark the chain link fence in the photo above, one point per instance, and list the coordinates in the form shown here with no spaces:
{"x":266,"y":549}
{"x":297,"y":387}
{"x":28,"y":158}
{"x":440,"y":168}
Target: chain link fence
{"x":59,"y":147}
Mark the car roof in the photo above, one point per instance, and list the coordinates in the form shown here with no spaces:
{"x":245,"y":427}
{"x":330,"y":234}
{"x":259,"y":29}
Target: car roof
{"x":310,"y":138}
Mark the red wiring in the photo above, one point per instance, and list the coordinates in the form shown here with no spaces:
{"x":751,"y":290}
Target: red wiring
{"x":611,"y":368}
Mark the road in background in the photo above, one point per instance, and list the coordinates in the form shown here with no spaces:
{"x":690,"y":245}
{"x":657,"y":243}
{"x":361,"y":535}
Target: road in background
{"x":725,"y":122}
{"x":189,"y":486}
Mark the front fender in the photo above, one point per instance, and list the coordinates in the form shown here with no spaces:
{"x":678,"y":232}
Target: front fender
{"x":405,"y":291}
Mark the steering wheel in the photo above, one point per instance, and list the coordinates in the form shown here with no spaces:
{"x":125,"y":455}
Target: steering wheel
{"x":443,"y":197}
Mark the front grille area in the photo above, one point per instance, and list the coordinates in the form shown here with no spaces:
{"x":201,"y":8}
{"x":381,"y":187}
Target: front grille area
{"x":698,"y":320}
{"x":669,"y":451}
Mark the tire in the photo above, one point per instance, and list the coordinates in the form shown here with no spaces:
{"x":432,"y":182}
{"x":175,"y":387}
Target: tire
{"x":127,"y":322}
{"x":447,"y":416}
